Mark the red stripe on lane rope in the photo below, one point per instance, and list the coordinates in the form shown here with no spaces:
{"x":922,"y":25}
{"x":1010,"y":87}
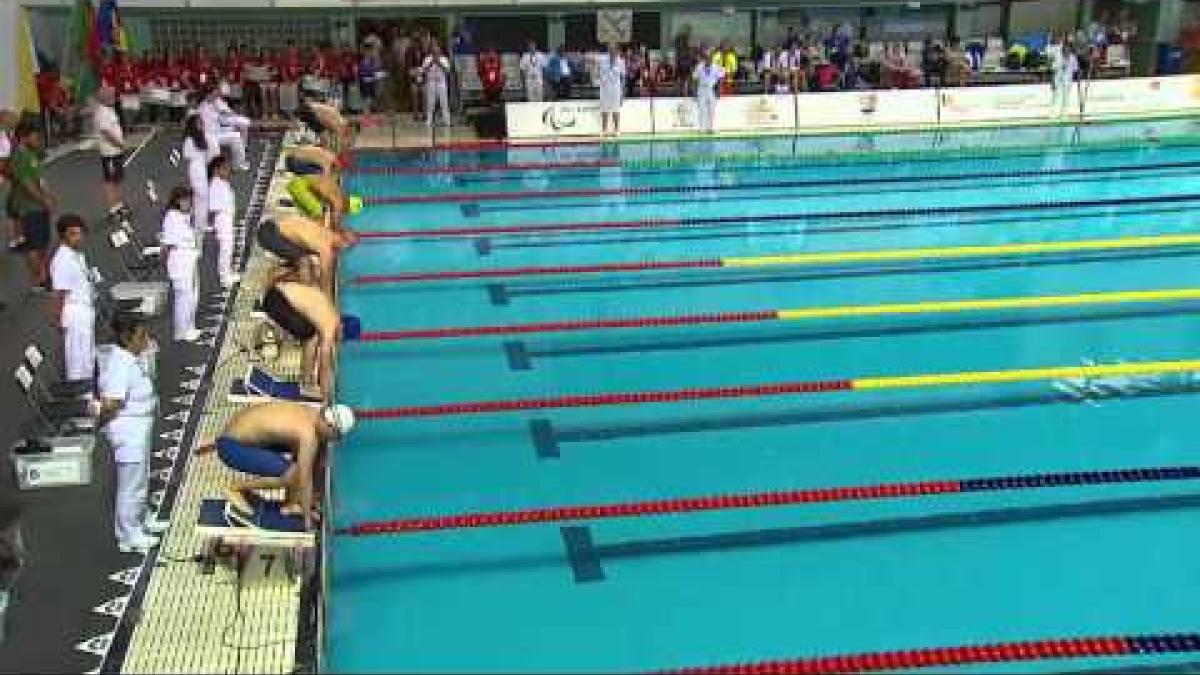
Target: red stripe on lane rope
{"x":618,"y":398}
{"x":518,"y":229}
{"x":930,"y":658}
{"x":651,"y":508}
{"x":537,"y":271}
{"x":494,"y":196}
{"x":487,"y":168}
{"x":564,"y":326}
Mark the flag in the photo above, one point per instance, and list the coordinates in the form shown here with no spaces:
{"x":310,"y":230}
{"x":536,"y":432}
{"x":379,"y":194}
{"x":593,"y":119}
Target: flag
{"x":84,"y":71}
{"x":27,"y":64}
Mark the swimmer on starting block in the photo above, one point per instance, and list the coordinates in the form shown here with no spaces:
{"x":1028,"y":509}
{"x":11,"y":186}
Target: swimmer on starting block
{"x":307,"y":314}
{"x":331,"y":198}
{"x":307,"y":160}
{"x":299,"y":241}
{"x":278,"y":444}
{"x":327,"y":123}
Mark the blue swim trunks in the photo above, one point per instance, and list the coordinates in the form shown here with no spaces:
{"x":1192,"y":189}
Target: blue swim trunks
{"x":250,"y":459}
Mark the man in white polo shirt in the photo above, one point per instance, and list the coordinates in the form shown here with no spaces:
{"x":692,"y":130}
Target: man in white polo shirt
{"x":110,"y":141}
{"x":74,"y":299}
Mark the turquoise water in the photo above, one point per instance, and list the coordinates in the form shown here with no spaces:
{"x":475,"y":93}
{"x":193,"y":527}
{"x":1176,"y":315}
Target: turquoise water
{"x":734,"y":586}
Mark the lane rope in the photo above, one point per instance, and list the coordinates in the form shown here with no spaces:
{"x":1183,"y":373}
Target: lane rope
{"x":759,"y":185}
{"x":890,"y":309}
{"x":995,"y":652}
{"x":781,"y":389}
{"x":797,"y":259}
{"x":650,"y":223}
{"x":822,"y":158}
{"x":658,"y":507}
{"x":484,"y":168}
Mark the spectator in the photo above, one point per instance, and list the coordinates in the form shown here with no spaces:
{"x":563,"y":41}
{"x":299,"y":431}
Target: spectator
{"x":792,"y":40}
{"x":30,"y":201}
{"x":290,"y":69}
{"x":74,"y":300}
{"x":233,"y":71}
{"x":1189,"y":39}
{"x":727,"y":59}
{"x":533,"y":67}
{"x":126,"y":411}
{"x":491,"y":76}
{"x":560,"y":74}
{"x":110,"y":141}
{"x":181,"y":251}
{"x":638,"y":64}
{"x":435,"y":73}
{"x":933,"y":63}
{"x":774,"y":71}
{"x":708,"y":76}
{"x":8,"y":120}
{"x":223,"y":209}
{"x":958,"y":67}
{"x":685,"y":64}
{"x":612,"y":87}
{"x":348,"y":77}
{"x":370,"y":69}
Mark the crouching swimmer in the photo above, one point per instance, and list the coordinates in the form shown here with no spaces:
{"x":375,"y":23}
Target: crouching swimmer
{"x":278,"y":445}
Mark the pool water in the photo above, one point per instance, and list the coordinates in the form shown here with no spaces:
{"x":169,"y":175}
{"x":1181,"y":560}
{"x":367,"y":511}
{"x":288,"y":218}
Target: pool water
{"x":730,"y":586}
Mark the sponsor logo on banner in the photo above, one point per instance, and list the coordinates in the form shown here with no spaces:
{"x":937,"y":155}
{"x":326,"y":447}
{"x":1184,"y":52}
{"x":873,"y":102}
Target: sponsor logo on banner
{"x":761,"y":113}
{"x":558,"y":118}
{"x":867,"y":103}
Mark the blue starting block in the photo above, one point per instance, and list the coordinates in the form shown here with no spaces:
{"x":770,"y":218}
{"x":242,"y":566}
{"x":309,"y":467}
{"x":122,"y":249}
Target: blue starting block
{"x":260,"y":386}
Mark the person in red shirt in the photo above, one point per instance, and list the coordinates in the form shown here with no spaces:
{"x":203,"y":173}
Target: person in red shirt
{"x":491,"y":76}
{"x":348,"y":76}
{"x":232,"y":70}
{"x":128,"y":87}
{"x":179,"y":81}
{"x":290,"y":69}
{"x":203,"y":67}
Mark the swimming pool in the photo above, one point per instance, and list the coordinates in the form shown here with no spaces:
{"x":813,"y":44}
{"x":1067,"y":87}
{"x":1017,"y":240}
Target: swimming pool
{"x":993,"y":215}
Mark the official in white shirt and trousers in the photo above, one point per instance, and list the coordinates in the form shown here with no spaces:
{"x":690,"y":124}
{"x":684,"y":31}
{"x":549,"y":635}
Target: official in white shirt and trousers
{"x":110,"y":142}
{"x":126,"y":410}
{"x":708,"y":77}
{"x":435,"y":72}
{"x":73,"y":283}
{"x":612,"y":89}
{"x":1063,"y":64}
{"x":196,"y":157}
{"x":216,"y":119}
{"x":181,"y":249}
{"x":533,"y":71}
{"x":223,"y":207}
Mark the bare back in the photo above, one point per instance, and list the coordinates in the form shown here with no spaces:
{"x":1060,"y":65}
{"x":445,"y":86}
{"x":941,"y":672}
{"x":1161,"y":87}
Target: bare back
{"x":279,"y":423}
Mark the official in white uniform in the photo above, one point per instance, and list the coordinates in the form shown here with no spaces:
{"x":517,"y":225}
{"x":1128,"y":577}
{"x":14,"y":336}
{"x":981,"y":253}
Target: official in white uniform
{"x":612,"y":89}
{"x":435,"y":72}
{"x":217,"y":128}
{"x":72,"y":280}
{"x":708,"y":77}
{"x":533,"y":72}
{"x":223,"y":208}
{"x":182,"y":253}
{"x":126,"y":410}
{"x":1063,"y":65}
{"x":195,"y":157}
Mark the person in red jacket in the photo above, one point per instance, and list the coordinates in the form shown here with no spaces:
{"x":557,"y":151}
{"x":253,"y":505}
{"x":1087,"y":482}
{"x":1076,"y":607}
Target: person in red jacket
{"x":204,"y":68}
{"x":290,"y":69}
{"x":348,"y":76}
{"x":491,"y":76}
{"x":232,"y":70}
{"x":129,"y":82}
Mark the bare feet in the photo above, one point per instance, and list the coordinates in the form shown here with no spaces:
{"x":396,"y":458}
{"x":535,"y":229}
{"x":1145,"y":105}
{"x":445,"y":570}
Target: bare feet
{"x":238,"y":500}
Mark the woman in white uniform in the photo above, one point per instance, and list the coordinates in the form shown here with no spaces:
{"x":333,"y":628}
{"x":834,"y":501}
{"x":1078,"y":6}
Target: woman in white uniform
{"x":126,"y":411}
{"x":612,"y":88}
{"x":435,"y":73}
{"x":223,"y":207}
{"x":74,"y":296}
{"x":181,"y":251}
{"x":222,"y":127}
{"x":708,"y":77}
{"x":195,"y":156}
{"x":1063,"y":64}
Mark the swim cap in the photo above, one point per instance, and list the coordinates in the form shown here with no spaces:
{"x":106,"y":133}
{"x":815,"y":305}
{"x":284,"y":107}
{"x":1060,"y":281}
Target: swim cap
{"x":340,"y":417}
{"x":356,"y":204}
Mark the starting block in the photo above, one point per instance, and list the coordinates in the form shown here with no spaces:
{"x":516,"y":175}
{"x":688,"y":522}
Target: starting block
{"x":259,"y":386}
{"x":260,"y":545}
